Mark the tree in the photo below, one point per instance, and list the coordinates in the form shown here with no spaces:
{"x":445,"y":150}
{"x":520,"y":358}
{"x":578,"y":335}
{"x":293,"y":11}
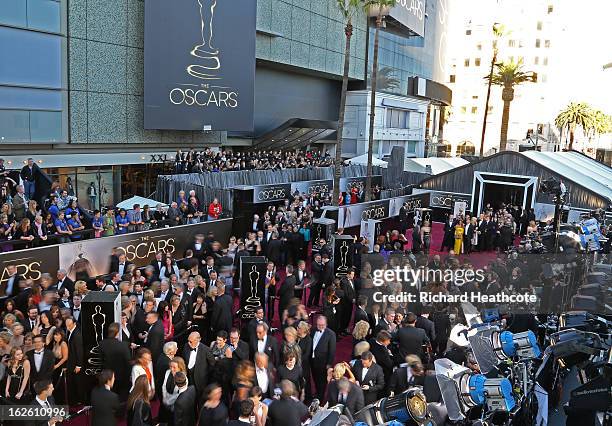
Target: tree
{"x":386,"y":79}
{"x":498,"y":32}
{"x":379,"y":7}
{"x":601,"y":123}
{"x":508,"y":75}
{"x":347,"y":8}
{"x":576,"y":114}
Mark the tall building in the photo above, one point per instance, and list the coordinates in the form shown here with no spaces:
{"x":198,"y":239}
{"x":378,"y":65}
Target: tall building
{"x":532,"y":34}
{"x":72,"y":87}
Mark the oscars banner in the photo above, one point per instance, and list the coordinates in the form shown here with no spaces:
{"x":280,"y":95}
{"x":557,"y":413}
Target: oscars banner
{"x":447,"y":200}
{"x":199,"y":71}
{"x":271,"y":193}
{"x":93,"y":256}
{"x":347,"y":184}
{"x":98,"y":310}
{"x":310,"y":187}
{"x":343,"y":254}
{"x":252,"y":285}
{"x":31,"y":264}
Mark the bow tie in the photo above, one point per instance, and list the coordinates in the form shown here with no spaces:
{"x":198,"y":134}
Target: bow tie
{"x":194,"y":349}
{"x":76,"y":309}
{"x":38,"y":353}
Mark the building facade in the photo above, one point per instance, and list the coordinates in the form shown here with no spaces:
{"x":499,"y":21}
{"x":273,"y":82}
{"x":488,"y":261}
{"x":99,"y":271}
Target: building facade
{"x":532,"y":34}
{"x":72,"y":90}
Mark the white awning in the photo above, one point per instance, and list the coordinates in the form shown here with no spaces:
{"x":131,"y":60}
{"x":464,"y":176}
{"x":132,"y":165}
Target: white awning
{"x":363,"y":159}
{"x":129,"y":203}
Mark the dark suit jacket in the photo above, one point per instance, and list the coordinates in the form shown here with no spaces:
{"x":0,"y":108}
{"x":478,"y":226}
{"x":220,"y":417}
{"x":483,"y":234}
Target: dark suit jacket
{"x":271,"y":382}
{"x":427,"y":325}
{"x":241,"y":352}
{"x":75,"y":350}
{"x":46,"y":367}
{"x":273,"y":250}
{"x":115,"y":266}
{"x":383,"y":358}
{"x":354,"y":402}
{"x":325,"y":352}
{"x":374,"y":378}
{"x":271,"y":349}
{"x":155,"y":340}
{"x":204,"y":360}
{"x":160,"y":367}
{"x":116,"y":356}
{"x":399,"y":380}
{"x":15,"y":289}
{"x":105,"y":407}
{"x":361,"y":315}
{"x":411,"y":341}
{"x":286,"y":292}
{"x":252,"y":327}
{"x":184,"y":407}
{"x":35,"y":403}
{"x":67,"y":283}
{"x":222,"y":313}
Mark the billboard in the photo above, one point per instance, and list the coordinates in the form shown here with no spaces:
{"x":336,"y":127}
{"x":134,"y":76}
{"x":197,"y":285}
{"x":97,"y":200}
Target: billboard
{"x":411,"y":14}
{"x":199,"y":64}
{"x":93,"y":256}
{"x":31,"y":264}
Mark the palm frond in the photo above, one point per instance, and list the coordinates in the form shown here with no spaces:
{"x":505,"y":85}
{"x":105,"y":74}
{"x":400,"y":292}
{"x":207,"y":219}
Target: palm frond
{"x":510,"y":74}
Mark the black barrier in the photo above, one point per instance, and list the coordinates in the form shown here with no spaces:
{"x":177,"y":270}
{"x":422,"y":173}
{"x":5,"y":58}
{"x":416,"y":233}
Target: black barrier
{"x":252,"y":285}
{"x":342,"y":256}
{"x":92,"y":257}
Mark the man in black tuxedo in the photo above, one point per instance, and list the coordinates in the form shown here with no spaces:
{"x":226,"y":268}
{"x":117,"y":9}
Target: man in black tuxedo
{"x":386,"y":323}
{"x":43,"y":389}
{"x":346,"y":393}
{"x":262,"y":342}
{"x":122,"y":266}
{"x":274,"y":249}
{"x":449,"y":233}
{"x":252,"y":325}
{"x":41,"y":361}
{"x":158,"y":262}
{"x":323,"y":355}
{"x":468,"y":234}
{"x":139,"y":325}
{"x":186,"y":301}
{"x":316,"y":270}
{"x":162,"y":364}
{"x":76,"y":307}
{"x":286,"y":292}
{"x":288,"y":410}
{"x":199,"y":359}
{"x":408,"y":374}
{"x":104,"y":402}
{"x":244,"y":414}
{"x":165,"y":292}
{"x":264,"y":374}
{"x":32,"y":320}
{"x":272,"y":282}
{"x":491,"y":233}
{"x":208,"y":268}
{"x":410,"y":338}
{"x":360,"y":313}
{"x":116,"y":357}
{"x":379,"y":347}
{"x":154,"y":338}
{"x":185,"y":404}
{"x":63,"y":282}
{"x":75,"y":361}
{"x":222,"y":317}
{"x":426,"y":324}
{"x":198,"y":248}
{"x":369,"y":376}
{"x":240,"y":348}
{"x":347,"y":300}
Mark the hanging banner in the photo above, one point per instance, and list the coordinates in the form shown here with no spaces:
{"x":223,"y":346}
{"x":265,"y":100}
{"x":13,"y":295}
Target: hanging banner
{"x":93,"y":256}
{"x":199,"y":71}
{"x":31,"y":264}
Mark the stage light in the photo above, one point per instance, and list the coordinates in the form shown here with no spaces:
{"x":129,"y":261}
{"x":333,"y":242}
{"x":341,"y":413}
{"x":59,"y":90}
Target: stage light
{"x":408,"y":407}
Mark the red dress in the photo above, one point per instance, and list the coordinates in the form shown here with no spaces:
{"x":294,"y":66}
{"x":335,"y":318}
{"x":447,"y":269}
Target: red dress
{"x":168,"y":327}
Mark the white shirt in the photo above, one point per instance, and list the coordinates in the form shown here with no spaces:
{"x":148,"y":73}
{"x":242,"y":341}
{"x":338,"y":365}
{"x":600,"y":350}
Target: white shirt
{"x":262,"y":379}
{"x":315,"y":341}
{"x":121,"y":268}
{"x":261,"y":345}
{"x":44,"y":403}
{"x":364,"y":372}
{"x":192,"y":357}
{"x":38,"y":357}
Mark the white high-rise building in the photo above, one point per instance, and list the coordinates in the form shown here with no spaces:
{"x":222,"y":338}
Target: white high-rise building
{"x":533,"y":31}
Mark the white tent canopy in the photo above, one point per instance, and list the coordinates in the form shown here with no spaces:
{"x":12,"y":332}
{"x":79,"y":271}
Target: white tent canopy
{"x":416,"y":165}
{"x":129,"y":203}
{"x":363,"y":159}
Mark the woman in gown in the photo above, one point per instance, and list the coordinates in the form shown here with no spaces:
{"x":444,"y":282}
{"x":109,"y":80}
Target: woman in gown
{"x":459,"y":237}
{"x":17,"y":377}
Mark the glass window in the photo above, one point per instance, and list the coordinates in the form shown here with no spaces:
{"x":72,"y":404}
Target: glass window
{"x":538,"y":42}
{"x":466,"y":62}
{"x":545,"y":61}
{"x":474,"y":110}
{"x":44,"y":15}
{"x":477,"y":62}
{"x":13,"y":12}
{"x":536,"y":60}
{"x":511,"y":43}
{"x":21,"y":98}
{"x":452,"y":78}
{"x":490,"y":109}
{"x":349,"y":146}
{"x":30,"y":52}
{"x":46,"y":126}
{"x":539,"y":25}
{"x":550,"y":8}
{"x":474,"y":96}
{"x":547,"y":43}
{"x":463,"y":109}
{"x":468,"y":32}
{"x":14,"y":126}
{"x":479,"y":46}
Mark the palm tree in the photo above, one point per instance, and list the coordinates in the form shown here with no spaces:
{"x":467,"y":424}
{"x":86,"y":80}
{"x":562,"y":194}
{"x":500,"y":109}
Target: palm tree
{"x":498,"y":32}
{"x":380,"y":7}
{"x":508,"y":75}
{"x":386,"y":79}
{"x":347,"y":8}
{"x":602,"y":123}
{"x":576,"y":114}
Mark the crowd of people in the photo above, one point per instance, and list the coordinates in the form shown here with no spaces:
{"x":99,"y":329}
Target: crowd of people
{"x":209,"y":160}
{"x":179,"y":355}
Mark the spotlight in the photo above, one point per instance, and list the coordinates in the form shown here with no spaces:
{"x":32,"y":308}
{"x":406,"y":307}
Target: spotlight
{"x":409,"y":408}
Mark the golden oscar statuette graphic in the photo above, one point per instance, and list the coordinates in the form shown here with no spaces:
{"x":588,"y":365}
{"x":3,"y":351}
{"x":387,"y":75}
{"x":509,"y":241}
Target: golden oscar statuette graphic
{"x":207,"y":54}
